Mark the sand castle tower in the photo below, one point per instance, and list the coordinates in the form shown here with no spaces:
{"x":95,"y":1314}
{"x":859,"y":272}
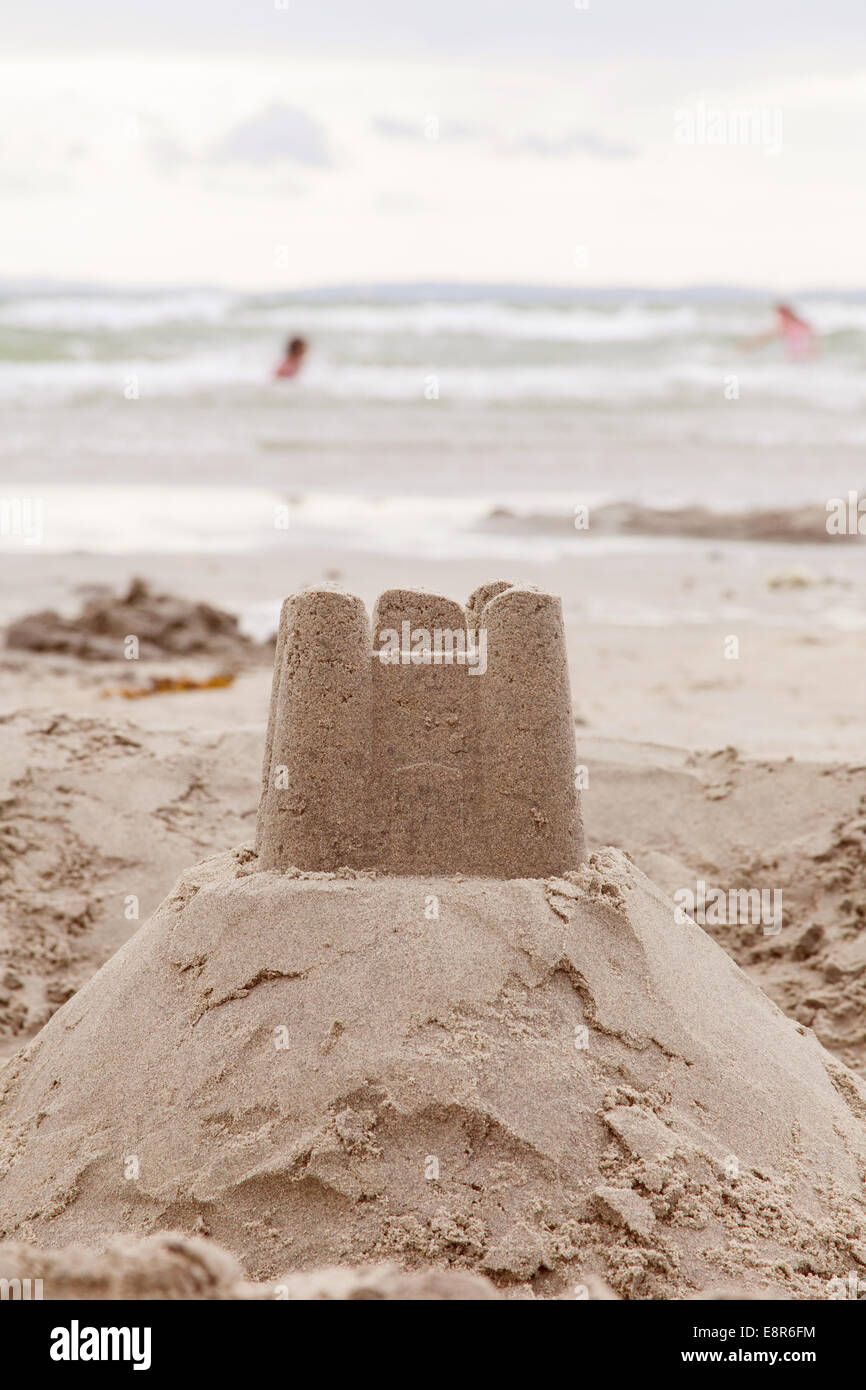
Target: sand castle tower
{"x":438,"y":740}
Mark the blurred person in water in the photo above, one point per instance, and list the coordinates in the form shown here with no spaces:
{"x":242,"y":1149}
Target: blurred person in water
{"x":795,"y":332}
{"x":296,"y":351}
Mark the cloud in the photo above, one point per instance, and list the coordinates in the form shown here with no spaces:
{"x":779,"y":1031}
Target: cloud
{"x":397,"y":201}
{"x":278,"y":134}
{"x":587,"y":142}
{"x":392,"y":128}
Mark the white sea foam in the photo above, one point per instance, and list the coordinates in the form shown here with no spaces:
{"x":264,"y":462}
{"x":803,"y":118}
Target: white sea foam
{"x":618,"y":352}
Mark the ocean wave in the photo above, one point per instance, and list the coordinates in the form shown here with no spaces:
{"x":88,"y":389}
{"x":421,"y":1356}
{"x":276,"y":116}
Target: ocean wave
{"x":670,"y":371}
{"x":115,"y":312}
{"x":244,"y":376}
{"x":631,"y":320}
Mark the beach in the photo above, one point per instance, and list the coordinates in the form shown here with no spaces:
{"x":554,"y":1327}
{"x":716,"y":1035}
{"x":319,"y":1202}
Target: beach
{"x":713,"y":628}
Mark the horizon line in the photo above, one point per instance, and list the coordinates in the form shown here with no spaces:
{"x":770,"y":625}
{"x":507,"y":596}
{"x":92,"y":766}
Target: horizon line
{"x":36,"y":284}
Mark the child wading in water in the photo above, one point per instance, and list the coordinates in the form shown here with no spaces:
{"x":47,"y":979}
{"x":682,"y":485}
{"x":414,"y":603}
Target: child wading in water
{"x":296,"y":351}
{"x":797,"y":335}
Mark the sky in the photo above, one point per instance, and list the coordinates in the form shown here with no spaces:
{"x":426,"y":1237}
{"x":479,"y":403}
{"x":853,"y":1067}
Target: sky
{"x":277,"y":144}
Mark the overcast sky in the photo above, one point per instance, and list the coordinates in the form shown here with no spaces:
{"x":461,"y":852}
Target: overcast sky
{"x":205,"y":141}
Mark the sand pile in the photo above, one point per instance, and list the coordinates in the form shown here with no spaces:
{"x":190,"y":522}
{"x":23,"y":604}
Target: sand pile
{"x":74,"y":844}
{"x":543,"y":1079}
{"x":318,"y":1069}
{"x":164,"y":626}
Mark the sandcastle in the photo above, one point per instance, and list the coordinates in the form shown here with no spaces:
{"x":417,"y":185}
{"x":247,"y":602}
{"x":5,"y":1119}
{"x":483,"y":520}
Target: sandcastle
{"x":441,"y":741}
{"x":492,"y":1054}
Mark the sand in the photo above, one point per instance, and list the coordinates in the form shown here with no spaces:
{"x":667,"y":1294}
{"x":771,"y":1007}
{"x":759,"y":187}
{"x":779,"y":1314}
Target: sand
{"x":540,"y":1090}
{"x":625,"y":1180}
{"x":97,"y":816}
{"x":138,"y":625}
{"x":804,"y":525}
{"x":422,"y":742}
{"x":718,"y":817}
{"x":175,"y":1266}
{"x":730,"y":821}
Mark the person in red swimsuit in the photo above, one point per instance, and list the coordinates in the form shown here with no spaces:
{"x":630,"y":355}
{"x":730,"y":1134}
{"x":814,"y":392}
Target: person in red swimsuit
{"x":797,"y":335}
{"x":296,"y":351}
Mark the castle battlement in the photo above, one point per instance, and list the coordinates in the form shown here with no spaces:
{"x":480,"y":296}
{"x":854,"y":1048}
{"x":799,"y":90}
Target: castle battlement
{"x":438,"y":739}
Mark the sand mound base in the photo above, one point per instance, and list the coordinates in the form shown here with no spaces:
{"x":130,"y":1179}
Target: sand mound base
{"x":543,"y":1081}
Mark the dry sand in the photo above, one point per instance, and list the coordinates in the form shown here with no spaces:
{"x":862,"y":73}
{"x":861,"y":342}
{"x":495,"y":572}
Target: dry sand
{"x":97,"y":806}
{"x":248,"y":1090}
{"x":74,"y":844}
{"x":423,"y":743}
{"x":97,"y":817}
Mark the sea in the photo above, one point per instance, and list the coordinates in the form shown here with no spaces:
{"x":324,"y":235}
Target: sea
{"x":148,"y":420}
